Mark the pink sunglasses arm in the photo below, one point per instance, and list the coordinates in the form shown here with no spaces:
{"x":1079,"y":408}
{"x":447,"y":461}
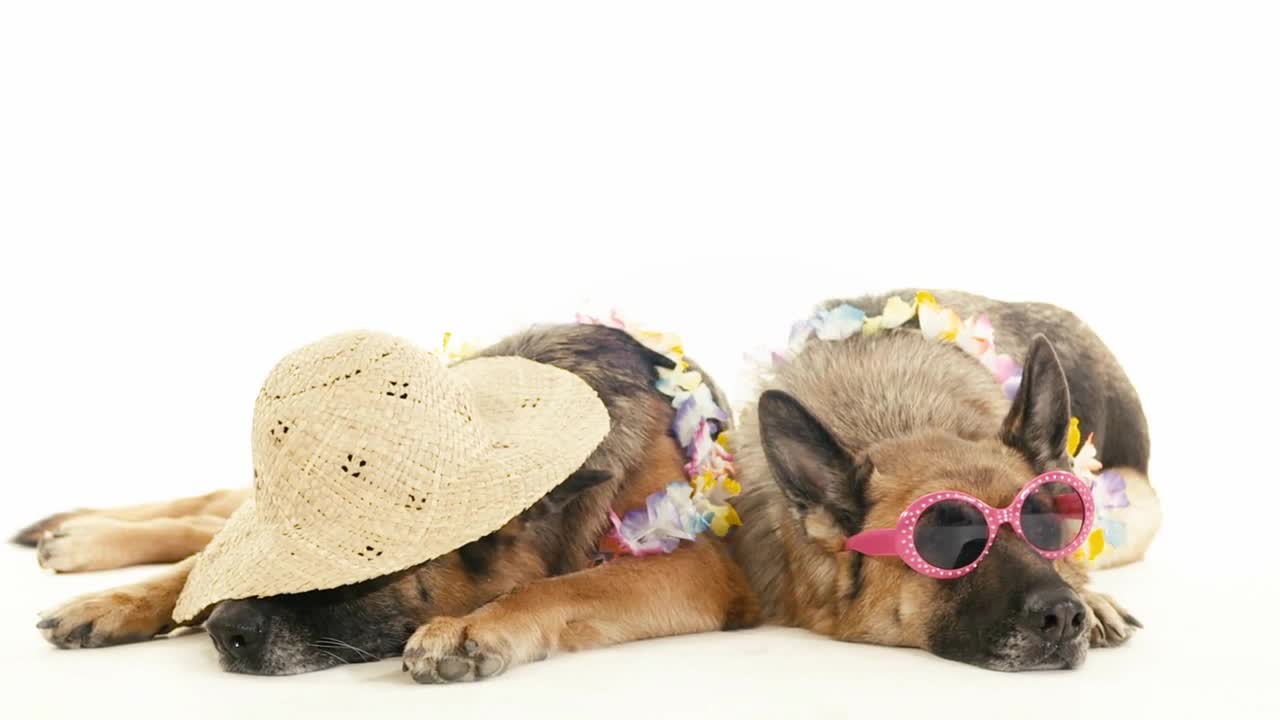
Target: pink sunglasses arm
{"x":874,"y":542}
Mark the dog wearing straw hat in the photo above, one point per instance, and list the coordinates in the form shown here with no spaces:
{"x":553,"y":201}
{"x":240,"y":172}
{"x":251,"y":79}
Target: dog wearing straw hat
{"x":452,"y":515}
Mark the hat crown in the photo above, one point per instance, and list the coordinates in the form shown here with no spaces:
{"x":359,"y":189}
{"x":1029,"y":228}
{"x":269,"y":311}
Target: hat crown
{"x":357,"y":420}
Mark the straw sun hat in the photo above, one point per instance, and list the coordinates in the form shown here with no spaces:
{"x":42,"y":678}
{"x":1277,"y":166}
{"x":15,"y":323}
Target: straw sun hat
{"x":370,"y":457}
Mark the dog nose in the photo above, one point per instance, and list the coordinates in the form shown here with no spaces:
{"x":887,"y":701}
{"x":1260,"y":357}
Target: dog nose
{"x":1056,"y":614}
{"x":237,"y":628}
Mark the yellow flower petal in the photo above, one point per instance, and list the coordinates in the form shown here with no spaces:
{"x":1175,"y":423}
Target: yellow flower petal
{"x":1073,"y":437}
{"x":731,"y":516}
{"x":453,"y":352}
{"x":664,"y":343}
{"x":871,"y":326}
{"x":952,"y":325}
{"x":897,"y":312}
{"x":719,"y":525}
{"x":731,"y":486}
{"x":938,"y":323}
{"x":724,"y":519}
{"x":1096,"y":543}
{"x":723,"y":440}
{"x":924,"y":297}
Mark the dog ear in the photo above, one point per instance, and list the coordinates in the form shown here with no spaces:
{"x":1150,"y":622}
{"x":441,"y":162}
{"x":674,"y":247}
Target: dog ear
{"x":567,"y":491}
{"x":582,"y":479}
{"x":824,"y":482}
{"x":1038,"y":422}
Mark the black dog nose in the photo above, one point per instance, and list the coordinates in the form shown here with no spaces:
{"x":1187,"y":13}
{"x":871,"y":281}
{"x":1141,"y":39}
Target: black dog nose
{"x":237,"y":628}
{"x":1055,"y":614}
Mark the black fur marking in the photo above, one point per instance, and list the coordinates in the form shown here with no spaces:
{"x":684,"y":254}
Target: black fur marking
{"x":424,"y":593}
{"x":856,"y":574}
{"x":477,"y":556}
{"x":739,"y":614}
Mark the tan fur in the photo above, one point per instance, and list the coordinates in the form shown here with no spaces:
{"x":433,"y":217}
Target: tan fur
{"x":99,"y":542}
{"x":88,"y":539}
{"x":220,"y":503}
{"x":124,"y":614}
{"x":695,"y":589}
{"x":663,"y":463}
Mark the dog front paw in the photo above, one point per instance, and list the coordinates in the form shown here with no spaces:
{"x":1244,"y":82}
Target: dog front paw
{"x":77,"y":545}
{"x":112,"y":617}
{"x":31,"y":534}
{"x":1109,"y":623}
{"x":448,"y":650}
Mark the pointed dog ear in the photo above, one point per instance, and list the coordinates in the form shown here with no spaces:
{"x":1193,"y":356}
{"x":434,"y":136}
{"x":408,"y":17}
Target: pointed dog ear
{"x":1038,"y":422}
{"x":581,"y":480}
{"x":824,"y":483}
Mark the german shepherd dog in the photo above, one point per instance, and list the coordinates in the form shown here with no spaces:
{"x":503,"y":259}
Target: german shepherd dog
{"x":848,"y":433}
{"x":844,"y":437}
{"x":519,"y":594}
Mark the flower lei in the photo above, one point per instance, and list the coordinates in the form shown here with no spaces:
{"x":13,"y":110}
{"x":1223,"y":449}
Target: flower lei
{"x":451,"y":352}
{"x":976,"y":336}
{"x":700,"y":501}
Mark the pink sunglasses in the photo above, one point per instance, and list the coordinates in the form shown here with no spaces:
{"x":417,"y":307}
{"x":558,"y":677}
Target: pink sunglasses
{"x":945,"y":535}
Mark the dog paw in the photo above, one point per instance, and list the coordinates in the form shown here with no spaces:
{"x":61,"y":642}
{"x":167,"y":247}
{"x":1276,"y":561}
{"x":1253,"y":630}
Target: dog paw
{"x":77,"y":546}
{"x":448,"y":650}
{"x":30,"y":535}
{"x":1109,"y":623}
{"x":112,"y":617}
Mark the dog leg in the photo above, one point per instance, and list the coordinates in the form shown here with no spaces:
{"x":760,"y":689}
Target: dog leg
{"x":695,"y":589}
{"x":220,"y":504}
{"x":121,"y":615}
{"x":96,"y":542}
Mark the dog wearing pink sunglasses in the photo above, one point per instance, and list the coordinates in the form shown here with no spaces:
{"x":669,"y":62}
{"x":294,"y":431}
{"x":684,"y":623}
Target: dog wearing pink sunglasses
{"x":896,"y":492}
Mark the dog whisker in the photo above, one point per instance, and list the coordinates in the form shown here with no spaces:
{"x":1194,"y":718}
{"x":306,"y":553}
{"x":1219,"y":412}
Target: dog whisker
{"x":336,"y":643}
{"x":335,"y":656}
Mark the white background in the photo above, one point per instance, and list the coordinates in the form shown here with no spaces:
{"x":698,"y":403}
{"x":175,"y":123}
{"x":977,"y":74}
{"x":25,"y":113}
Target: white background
{"x":189,"y":191}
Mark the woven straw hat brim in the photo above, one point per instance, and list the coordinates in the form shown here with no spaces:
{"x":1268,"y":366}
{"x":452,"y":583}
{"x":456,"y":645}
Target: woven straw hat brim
{"x":543,"y":423}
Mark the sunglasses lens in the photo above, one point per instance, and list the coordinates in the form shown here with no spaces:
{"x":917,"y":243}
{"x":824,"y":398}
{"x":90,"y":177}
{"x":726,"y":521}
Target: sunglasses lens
{"x":1052,"y":516}
{"x":951,"y":534}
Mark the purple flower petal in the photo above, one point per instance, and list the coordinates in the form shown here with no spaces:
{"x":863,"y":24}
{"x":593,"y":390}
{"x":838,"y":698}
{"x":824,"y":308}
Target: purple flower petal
{"x":1011,"y":386}
{"x":1113,"y":489}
